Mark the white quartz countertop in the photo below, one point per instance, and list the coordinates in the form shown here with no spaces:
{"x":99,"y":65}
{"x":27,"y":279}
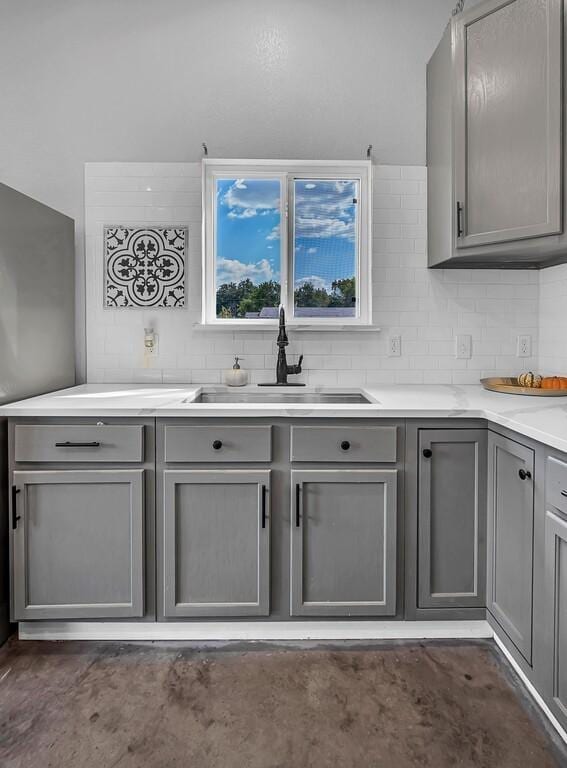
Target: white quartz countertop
{"x":543,"y":419}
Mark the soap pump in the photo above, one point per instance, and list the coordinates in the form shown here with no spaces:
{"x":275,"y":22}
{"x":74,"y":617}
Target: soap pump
{"x":235,"y":376}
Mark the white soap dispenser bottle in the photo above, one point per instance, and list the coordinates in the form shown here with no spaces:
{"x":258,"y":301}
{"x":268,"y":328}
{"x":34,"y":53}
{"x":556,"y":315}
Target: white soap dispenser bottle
{"x":235,"y":376}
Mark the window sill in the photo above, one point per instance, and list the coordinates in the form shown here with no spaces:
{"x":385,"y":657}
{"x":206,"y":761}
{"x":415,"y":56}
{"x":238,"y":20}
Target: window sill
{"x":273,"y":326}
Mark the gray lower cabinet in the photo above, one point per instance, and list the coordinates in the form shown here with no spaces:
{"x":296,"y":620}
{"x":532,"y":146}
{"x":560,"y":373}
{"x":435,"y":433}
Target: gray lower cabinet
{"x":343,"y":542}
{"x":555,"y":624}
{"x":216,"y":542}
{"x":77,"y":544}
{"x":510,"y":539}
{"x":452,"y":518}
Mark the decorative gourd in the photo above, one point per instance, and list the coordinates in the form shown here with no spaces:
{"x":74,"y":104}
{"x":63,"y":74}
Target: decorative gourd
{"x":530,"y":379}
{"x":554,"y":382}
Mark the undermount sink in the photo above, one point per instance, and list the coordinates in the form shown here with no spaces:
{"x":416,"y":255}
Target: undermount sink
{"x":281,"y":397}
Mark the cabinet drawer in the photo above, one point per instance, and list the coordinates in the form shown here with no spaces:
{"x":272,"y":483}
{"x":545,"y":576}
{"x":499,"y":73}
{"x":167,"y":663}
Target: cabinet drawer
{"x":217,"y":444}
{"x":344,"y":444}
{"x":78,"y":442}
{"x":556,"y":483}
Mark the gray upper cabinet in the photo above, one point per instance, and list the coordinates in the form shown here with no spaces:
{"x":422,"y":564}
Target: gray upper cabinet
{"x":216,"y":536}
{"x":343,"y":542}
{"x":452,"y":518}
{"x":510,"y":539}
{"x":77,"y":544}
{"x":494,"y":143}
{"x":555,"y":625}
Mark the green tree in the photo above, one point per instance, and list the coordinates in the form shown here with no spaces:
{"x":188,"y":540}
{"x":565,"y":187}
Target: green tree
{"x":343,"y":292}
{"x":266,"y":294}
{"x":309,"y":296}
{"x":229,"y":296}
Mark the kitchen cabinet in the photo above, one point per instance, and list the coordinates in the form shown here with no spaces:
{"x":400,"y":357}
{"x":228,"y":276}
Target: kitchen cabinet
{"x":555,"y":625}
{"x":78,"y":544}
{"x":494,"y":139}
{"x":343,"y":542}
{"x":510,"y":539}
{"x":451,"y":518}
{"x":216,"y":542}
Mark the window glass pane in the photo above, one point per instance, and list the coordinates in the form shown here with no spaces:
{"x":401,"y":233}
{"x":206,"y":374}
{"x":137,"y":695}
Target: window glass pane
{"x":247,"y":248}
{"x":325,"y":247}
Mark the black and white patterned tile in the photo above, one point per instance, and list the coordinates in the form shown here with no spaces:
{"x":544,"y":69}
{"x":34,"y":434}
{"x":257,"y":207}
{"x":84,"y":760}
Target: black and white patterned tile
{"x":144,"y":267}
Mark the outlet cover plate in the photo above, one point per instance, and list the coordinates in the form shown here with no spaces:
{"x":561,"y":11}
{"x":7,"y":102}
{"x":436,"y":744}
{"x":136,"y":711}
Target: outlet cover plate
{"x":463,"y":346}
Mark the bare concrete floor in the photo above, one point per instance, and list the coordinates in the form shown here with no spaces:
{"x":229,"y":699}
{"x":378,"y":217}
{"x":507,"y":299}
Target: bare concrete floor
{"x":152,"y":705}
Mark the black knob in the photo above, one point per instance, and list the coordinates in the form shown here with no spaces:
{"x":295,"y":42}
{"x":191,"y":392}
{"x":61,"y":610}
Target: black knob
{"x":217,"y":445}
{"x":524,"y":473}
{"x":345,"y":445}
{"x":428,"y":453}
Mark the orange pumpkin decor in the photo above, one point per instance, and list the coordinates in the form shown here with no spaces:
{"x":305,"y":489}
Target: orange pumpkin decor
{"x":554,"y":382}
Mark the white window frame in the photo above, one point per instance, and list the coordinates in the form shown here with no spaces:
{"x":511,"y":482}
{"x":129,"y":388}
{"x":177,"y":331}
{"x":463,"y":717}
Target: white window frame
{"x":288,"y":171}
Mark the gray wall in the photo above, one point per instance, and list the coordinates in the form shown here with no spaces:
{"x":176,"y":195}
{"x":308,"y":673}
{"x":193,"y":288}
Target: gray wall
{"x":135,"y":80}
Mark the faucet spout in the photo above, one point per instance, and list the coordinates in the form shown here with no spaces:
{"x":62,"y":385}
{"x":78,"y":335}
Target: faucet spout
{"x":283,"y":370}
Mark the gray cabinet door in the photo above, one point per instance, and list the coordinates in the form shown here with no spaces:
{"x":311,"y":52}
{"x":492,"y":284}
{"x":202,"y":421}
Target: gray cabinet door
{"x":452,"y":518}
{"x":343,"y":542}
{"x":508,"y":106}
{"x":77,"y":544}
{"x":555,"y":626}
{"x":510,"y":539}
{"x":216,"y":535}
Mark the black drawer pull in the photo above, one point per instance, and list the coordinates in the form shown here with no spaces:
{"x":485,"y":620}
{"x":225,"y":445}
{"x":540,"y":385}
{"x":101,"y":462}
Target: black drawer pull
{"x":524,"y":474}
{"x":297,"y":501}
{"x":564,"y":493}
{"x":217,"y":445}
{"x":15,"y":516}
{"x":428,"y":453}
{"x":263,"y":506}
{"x":69,"y":444}
{"x":345,"y":445}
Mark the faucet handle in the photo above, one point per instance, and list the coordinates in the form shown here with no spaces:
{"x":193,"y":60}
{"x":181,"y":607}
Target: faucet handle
{"x":299,"y":363}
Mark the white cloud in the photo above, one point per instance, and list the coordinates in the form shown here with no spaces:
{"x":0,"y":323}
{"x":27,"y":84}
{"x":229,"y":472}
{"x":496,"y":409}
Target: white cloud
{"x":312,"y":250}
{"x":232,"y":271}
{"x":239,"y":184}
{"x":320,"y":227}
{"x":315,"y":280}
{"x":310,"y":186}
{"x":328,"y":212}
{"x":252,"y":195}
{"x":247,"y":213}
{"x":274,"y":234}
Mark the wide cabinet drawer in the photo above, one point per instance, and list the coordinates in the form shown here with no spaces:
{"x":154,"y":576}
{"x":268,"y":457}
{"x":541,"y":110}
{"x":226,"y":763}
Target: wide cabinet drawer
{"x":344,"y":444}
{"x":556,"y":483}
{"x":217,"y":444}
{"x":78,"y":443}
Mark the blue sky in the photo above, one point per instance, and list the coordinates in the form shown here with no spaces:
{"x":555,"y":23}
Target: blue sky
{"x":248,"y":221}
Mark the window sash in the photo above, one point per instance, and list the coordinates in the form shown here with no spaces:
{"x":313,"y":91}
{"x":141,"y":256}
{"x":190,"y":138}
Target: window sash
{"x":287,"y":172}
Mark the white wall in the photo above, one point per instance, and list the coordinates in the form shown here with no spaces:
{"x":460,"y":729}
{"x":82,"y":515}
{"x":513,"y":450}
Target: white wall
{"x":139,"y":80}
{"x":427,"y":307}
{"x":553,"y":320}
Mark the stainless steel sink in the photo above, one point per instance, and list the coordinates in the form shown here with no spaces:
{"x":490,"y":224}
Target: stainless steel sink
{"x":281,"y":398}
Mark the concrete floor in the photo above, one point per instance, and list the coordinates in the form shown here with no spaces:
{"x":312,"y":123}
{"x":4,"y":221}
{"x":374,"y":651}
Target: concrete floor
{"x":110,"y":705}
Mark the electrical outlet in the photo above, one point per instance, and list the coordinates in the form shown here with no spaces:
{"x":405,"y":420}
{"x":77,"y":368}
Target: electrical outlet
{"x":395,"y":346}
{"x":524,"y":346}
{"x":463,"y":346}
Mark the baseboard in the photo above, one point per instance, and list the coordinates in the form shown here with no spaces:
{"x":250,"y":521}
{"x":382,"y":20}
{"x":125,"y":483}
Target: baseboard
{"x":535,"y":695}
{"x":213,"y":631}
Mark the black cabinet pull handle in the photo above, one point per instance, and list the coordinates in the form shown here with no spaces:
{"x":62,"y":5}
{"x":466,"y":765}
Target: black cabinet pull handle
{"x":524,"y":474}
{"x":70,"y":444}
{"x":460,"y":231}
{"x":564,"y":493}
{"x":15,"y":516}
{"x":345,"y":445}
{"x":428,"y":453}
{"x":263,"y":506}
{"x":297,"y":502}
{"x":217,"y":445}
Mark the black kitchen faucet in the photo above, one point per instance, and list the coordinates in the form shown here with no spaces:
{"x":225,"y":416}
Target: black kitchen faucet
{"x":283,"y":370}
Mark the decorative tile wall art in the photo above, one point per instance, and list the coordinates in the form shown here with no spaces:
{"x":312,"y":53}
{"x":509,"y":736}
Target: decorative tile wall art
{"x":144,"y":267}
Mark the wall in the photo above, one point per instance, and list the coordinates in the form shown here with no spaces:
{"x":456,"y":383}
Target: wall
{"x":552,"y":320}
{"x":427,"y":307}
{"x":137,"y":80}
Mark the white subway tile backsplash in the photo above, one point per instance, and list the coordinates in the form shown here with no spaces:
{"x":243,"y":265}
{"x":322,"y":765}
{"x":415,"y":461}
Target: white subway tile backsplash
{"x":427,"y":308}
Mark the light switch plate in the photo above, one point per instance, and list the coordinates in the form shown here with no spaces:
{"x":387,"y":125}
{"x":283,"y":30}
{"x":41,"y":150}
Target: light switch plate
{"x":463,"y":346}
